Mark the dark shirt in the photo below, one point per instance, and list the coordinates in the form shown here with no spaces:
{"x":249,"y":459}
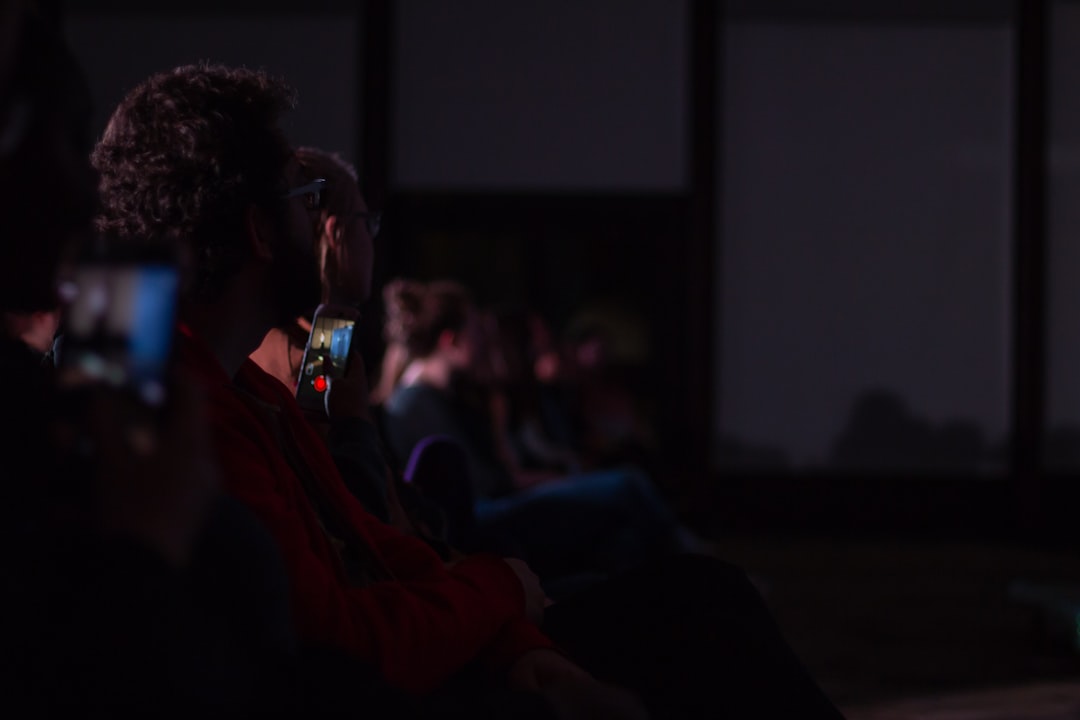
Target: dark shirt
{"x":418,"y":411}
{"x":367,"y":470}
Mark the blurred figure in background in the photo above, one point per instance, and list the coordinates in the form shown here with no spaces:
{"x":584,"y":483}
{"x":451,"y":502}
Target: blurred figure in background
{"x":604,"y":521}
{"x":395,"y":358}
{"x":536,"y":433}
{"x":604,"y":373}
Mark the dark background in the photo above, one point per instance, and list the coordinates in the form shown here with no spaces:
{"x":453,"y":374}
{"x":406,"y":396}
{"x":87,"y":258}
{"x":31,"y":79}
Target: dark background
{"x":847,"y":229}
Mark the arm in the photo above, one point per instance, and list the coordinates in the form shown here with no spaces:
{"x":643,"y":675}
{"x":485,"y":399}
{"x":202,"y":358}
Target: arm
{"x":552,"y":454}
{"x":503,"y":442}
{"x":358,"y":451}
{"x":354,"y":443}
{"x":419,"y":629}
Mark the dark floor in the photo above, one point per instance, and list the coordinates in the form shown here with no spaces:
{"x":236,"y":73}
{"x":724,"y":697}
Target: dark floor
{"x":881,"y":622}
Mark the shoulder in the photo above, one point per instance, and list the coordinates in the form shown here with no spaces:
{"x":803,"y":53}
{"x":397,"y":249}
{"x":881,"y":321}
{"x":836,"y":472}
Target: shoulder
{"x":261,"y":383}
{"x":409,"y":397}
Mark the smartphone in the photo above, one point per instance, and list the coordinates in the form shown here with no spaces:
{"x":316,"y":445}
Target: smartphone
{"x":326,"y":356}
{"x":119,"y":319}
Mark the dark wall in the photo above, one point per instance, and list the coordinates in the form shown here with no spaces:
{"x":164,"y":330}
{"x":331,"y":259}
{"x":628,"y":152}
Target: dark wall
{"x":814,"y":208}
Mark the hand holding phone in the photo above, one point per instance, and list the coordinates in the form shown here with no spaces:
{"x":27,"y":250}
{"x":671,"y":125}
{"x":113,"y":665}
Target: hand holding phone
{"x":350,"y":396}
{"x":326,"y":356}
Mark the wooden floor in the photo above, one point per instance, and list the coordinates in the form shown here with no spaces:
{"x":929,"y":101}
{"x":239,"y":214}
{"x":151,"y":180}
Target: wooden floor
{"x":897,"y":630}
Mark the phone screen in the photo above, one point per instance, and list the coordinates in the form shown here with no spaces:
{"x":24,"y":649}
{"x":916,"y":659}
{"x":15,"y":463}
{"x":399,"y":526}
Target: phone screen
{"x":325,"y":358}
{"x":118,"y":325}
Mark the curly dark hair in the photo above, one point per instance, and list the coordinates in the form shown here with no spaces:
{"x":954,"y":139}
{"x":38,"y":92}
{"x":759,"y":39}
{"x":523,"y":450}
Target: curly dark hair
{"x":183,"y":156}
{"x":417,"y":313}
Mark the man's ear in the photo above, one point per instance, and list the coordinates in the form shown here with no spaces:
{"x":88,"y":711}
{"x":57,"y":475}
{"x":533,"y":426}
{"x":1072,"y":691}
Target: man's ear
{"x":329,"y":231}
{"x":259,"y":235}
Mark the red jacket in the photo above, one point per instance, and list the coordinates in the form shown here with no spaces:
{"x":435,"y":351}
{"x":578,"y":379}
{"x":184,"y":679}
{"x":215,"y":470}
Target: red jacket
{"x":417,"y":621}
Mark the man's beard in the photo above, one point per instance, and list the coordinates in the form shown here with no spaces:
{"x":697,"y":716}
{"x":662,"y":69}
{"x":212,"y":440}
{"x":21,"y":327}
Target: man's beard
{"x":296,"y":285}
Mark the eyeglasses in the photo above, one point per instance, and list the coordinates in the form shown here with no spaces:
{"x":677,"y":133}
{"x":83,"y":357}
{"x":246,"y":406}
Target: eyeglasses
{"x":373,"y":222}
{"x":314,"y":194}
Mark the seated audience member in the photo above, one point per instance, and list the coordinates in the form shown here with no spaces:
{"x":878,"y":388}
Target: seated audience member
{"x":691,"y":636}
{"x":606,"y":521}
{"x":604,"y":362}
{"x":345,"y":229}
{"x":395,"y":358}
{"x":533,"y":439}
